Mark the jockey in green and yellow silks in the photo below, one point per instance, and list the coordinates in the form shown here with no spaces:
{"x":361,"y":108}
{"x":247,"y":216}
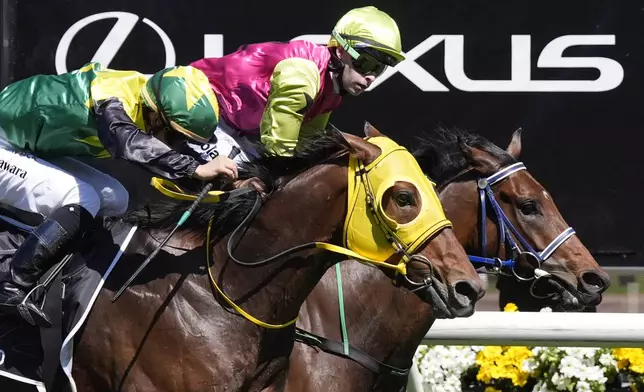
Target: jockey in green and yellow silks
{"x":96,"y":112}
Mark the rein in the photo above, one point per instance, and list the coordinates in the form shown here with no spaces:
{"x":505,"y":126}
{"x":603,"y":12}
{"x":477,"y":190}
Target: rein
{"x":236,"y":236}
{"x":506,"y":230}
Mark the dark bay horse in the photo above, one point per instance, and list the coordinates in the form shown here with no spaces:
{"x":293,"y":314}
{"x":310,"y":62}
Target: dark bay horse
{"x":172,"y":331}
{"x":457,"y":160}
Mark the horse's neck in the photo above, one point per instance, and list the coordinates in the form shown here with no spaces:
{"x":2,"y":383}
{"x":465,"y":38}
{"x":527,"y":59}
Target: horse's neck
{"x":370,"y":300}
{"x":460,"y":203}
{"x":296,"y":215}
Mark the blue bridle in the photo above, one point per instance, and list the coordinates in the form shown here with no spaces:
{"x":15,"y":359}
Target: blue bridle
{"x":507,"y":230}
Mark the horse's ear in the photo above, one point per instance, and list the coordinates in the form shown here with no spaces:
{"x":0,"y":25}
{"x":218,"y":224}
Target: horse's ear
{"x":466,"y":150}
{"x":370,"y":130}
{"x":361,"y":148}
{"x":514,"y":148}
{"x":479,"y":159}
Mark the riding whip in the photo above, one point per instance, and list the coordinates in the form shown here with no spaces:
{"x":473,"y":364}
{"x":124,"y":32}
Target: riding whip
{"x":233,"y":153}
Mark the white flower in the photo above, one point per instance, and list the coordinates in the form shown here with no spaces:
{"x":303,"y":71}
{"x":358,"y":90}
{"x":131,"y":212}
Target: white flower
{"x":558,"y":382}
{"x":541,"y":386}
{"x":546,"y":309}
{"x":442,"y":366}
{"x":580,"y":352}
{"x":583,"y":386}
{"x":608,"y":361}
{"x":529,"y":365}
{"x":578,"y":369}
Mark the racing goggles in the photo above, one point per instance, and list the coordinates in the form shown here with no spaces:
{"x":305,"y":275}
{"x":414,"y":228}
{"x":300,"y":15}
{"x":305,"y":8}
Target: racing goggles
{"x":369,"y":63}
{"x":366,"y":60}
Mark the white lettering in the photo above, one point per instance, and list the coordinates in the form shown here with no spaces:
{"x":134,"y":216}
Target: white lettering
{"x":320,"y":39}
{"x":611,"y":73}
{"x":414,"y":72}
{"x":213,"y":45}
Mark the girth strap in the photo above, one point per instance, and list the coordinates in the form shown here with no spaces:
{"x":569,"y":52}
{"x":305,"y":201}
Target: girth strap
{"x":337,"y":348}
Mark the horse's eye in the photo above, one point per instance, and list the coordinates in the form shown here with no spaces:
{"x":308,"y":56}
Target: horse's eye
{"x":529,"y":207}
{"x":404,"y":199}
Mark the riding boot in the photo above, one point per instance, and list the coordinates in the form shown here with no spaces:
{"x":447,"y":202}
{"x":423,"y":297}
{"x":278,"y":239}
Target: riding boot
{"x":42,"y":249}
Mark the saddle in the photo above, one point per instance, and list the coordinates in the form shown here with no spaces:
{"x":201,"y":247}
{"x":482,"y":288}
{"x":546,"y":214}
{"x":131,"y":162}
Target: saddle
{"x":42,"y":358}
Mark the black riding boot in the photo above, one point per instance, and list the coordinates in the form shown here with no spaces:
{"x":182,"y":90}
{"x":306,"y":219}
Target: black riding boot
{"x":40,"y":251}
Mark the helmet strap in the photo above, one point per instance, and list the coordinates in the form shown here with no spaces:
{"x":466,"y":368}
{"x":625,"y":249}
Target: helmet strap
{"x":336,"y":68}
{"x":336,"y":78}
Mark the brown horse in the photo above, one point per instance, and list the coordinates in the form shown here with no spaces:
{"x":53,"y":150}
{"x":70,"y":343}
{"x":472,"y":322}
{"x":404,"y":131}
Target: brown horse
{"x":168,"y":333}
{"x":381,"y":345}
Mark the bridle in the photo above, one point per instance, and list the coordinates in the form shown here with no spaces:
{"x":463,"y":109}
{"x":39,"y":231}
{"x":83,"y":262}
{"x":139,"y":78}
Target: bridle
{"x":494,"y":265}
{"x":508,"y":233}
{"x":363,"y":182}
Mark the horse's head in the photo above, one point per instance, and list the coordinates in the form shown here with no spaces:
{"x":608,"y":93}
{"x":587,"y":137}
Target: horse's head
{"x":395,"y":218}
{"x":524,"y":225}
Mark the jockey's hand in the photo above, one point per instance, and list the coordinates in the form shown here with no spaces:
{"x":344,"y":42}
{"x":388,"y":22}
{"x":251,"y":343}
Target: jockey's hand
{"x":253,"y":182}
{"x":220,"y":165}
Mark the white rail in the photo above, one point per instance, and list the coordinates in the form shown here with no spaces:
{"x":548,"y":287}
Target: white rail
{"x":541,"y":329}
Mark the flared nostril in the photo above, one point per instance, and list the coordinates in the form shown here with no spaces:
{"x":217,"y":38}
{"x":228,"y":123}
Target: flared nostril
{"x":594,"y":281}
{"x":469,"y":289}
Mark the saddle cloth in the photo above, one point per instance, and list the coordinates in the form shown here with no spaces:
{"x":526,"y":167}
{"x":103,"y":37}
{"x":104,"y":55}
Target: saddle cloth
{"x":22,"y":359}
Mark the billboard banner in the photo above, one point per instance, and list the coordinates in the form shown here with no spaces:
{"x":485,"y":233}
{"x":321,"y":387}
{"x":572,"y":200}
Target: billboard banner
{"x":570,"y":74}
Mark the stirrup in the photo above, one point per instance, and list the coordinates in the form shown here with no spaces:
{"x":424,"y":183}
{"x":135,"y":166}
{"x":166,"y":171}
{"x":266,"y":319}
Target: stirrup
{"x":33,"y":314}
{"x":31,"y":311}
{"x":24,"y":308}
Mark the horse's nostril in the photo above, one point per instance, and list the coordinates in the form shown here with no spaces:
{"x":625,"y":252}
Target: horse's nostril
{"x":594,"y":282}
{"x":469,"y":289}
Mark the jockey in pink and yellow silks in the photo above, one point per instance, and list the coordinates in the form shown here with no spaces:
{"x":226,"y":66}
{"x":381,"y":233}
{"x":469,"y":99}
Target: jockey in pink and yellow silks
{"x":283,"y":91}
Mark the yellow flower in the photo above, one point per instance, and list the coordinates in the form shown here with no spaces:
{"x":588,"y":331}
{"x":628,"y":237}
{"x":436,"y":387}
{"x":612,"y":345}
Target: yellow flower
{"x":502,"y":362}
{"x":492,"y":389}
{"x":490,"y":353}
{"x":510,"y":307}
{"x":484,"y":375}
{"x":519,"y":378}
{"x":630,"y":358}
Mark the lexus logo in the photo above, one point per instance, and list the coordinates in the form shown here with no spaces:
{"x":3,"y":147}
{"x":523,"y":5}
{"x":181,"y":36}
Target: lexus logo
{"x":125,"y":22}
{"x":611,"y":72}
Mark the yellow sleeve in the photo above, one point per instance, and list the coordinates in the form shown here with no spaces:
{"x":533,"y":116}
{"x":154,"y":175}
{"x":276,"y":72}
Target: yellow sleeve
{"x":315,"y":125}
{"x":294,"y":85}
{"x":125,"y":86}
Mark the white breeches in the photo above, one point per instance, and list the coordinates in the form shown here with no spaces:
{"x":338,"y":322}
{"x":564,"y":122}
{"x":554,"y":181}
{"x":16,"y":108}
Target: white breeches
{"x":35,"y":185}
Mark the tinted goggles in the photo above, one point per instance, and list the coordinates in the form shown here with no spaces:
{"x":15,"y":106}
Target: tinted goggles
{"x":368,"y":64}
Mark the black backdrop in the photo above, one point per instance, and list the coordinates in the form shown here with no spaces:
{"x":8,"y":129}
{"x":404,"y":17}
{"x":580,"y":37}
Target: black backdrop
{"x":584,"y":147}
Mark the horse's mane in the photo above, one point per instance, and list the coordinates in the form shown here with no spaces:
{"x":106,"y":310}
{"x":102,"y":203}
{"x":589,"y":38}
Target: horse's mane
{"x":439,"y":154}
{"x":273,"y":170}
